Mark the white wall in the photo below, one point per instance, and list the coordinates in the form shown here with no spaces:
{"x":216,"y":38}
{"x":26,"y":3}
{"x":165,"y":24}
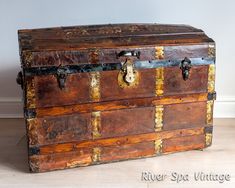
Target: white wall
{"x":216,"y":18}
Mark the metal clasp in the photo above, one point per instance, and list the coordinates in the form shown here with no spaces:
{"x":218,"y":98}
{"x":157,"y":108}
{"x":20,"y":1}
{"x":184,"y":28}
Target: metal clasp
{"x":128,"y":68}
{"x":128,"y":76}
{"x":131,"y":53}
{"x":185,"y":66}
{"x":62,"y":73}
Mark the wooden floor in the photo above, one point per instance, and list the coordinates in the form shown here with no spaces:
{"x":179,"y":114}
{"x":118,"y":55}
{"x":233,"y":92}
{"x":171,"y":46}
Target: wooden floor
{"x":218,"y":159}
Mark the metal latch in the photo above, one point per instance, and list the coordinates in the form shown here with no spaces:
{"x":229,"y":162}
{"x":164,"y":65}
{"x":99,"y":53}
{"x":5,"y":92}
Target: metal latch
{"x":129,"y":72}
{"x":185,"y":66}
{"x":62,"y":73}
{"x":128,"y":76}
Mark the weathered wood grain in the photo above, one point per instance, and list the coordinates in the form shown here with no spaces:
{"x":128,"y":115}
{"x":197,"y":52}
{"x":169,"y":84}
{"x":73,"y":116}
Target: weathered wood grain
{"x":124,"y":122}
{"x":113,"y":123}
{"x":129,"y":151}
{"x":174,"y":84}
{"x":98,"y":44}
{"x":120,"y":104}
{"x":184,"y":143}
{"x":105,"y":30}
{"x":77,"y":86}
{"x":51,"y":130}
{"x":48,"y":93}
{"x":186,"y":115}
{"x":84,"y":157}
{"x":131,"y":139}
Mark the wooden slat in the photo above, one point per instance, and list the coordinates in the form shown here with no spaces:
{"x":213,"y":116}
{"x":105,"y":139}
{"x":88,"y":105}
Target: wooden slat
{"x":67,"y":147}
{"x":121,"y":104}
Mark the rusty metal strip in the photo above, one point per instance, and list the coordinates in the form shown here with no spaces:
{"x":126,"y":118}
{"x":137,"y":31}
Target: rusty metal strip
{"x":94,"y":56}
{"x":211,"y":78}
{"x":31,"y":131}
{"x":208,"y":135}
{"x":27,"y":58}
{"x":208,"y":139}
{"x":159,"y":52}
{"x":159,"y":81}
{"x":95,"y":86}
{"x":211,"y":50}
{"x":30,"y":93}
{"x":96,"y":124}
{"x":159,"y":117}
{"x":158,"y":146}
{"x":96,"y":155}
{"x":209,"y":114}
{"x":34,"y":164}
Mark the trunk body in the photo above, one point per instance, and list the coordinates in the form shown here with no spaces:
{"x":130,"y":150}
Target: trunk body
{"x":105,"y":93}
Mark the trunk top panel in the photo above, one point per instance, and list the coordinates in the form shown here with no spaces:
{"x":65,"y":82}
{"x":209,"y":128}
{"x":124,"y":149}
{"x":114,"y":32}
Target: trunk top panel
{"x":108,"y":36}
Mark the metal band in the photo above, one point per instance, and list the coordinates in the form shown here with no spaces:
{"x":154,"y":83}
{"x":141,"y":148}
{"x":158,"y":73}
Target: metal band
{"x":159,"y":81}
{"x":211,"y":50}
{"x":209,"y":114}
{"x":30,"y":93}
{"x":208,"y":135}
{"x":96,"y":124}
{"x":158,"y":146}
{"x":27,"y":58}
{"x":96,"y":155}
{"x":208,"y":139}
{"x":95,"y":86}
{"x":80,"y":68}
{"x":159,"y":52}
{"x":211,"y":78}
{"x":73,"y":164}
{"x":159,"y":118}
{"x":94,"y":56}
{"x":31,"y":131}
{"x":34,"y":164}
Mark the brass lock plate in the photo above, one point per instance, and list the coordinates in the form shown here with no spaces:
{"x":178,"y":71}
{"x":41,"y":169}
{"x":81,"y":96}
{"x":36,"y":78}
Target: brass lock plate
{"x":128,"y":77}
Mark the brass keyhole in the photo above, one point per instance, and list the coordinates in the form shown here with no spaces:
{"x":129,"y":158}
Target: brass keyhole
{"x":128,"y":76}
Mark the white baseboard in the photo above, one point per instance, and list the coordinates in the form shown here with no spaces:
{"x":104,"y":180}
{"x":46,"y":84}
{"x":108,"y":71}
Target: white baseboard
{"x":224,"y":107}
{"x":13,"y":108}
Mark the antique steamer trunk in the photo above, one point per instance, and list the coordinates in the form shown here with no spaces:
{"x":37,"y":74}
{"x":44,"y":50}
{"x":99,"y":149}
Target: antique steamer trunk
{"x":105,"y":93}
